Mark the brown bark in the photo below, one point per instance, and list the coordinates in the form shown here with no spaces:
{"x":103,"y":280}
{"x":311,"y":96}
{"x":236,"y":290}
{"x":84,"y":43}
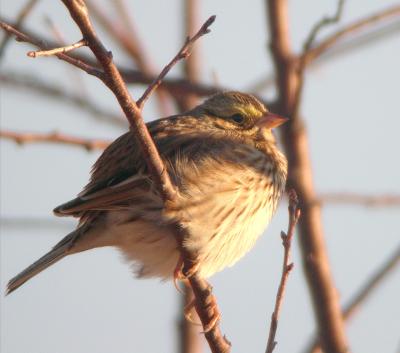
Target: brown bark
{"x":315,"y":259}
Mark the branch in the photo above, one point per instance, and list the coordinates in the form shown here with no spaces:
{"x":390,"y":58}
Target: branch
{"x":113,"y":80}
{"x":178,"y":87}
{"x":21,"y":37}
{"x":319,"y":49}
{"x":324,"y":22}
{"x":128,"y":40}
{"x":192,"y":65}
{"x":371,"y":284}
{"x":60,"y":50}
{"x":365,"y":291}
{"x":189,"y":338}
{"x":384,"y":200}
{"x":25,"y":11}
{"x":294,"y":215}
{"x":183,"y":53}
{"x":188,"y":333}
{"x":53,"y":137}
{"x":78,"y":83}
{"x":314,"y":254}
{"x":362,"y":39}
{"x":36,"y":85}
{"x":206,"y":311}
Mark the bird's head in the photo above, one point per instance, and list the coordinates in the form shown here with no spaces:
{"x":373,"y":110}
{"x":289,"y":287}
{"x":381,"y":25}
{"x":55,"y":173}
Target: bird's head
{"x":240,"y":113}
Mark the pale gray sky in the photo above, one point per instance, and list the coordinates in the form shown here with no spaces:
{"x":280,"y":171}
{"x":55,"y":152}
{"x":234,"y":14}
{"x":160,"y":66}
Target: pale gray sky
{"x":90,"y":302}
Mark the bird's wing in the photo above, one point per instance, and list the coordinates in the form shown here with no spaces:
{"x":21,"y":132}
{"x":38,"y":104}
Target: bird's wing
{"x":119,"y":177}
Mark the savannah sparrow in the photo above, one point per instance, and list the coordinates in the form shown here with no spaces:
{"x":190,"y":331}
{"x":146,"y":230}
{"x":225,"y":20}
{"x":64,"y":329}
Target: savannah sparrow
{"x":223,"y":160}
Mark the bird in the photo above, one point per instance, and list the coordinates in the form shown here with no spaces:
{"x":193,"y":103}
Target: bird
{"x":223,"y":160}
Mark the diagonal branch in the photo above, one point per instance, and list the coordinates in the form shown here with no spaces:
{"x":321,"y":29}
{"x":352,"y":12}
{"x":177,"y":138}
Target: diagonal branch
{"x":363,"y":293}
{"x":287,"y":266}
{"x":25,"y":11}
{"x":21,"y":37}
{"x":324,"y":22}
{"x":183,"y":53}
{"x":320,"y":48}
{"x":53,"y":137}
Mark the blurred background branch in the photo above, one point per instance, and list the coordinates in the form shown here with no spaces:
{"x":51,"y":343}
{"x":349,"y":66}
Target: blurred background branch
{"x":53,"y":137}
{"x":189,"y":334}
{"x":24,"y":12}
{"x":363,"y":293}
{"x":316,"y":265}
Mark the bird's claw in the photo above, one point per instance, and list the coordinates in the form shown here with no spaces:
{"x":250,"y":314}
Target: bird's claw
{"x":211,"y":306}
{"x":189,"y":272}
{"x":178,"y":276}
{"x":182,"y":273}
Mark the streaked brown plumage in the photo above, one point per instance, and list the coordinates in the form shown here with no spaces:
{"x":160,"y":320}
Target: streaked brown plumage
{"x":229,"y":174}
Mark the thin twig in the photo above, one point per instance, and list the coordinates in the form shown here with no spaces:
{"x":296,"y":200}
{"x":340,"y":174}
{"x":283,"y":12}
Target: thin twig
{"x":25,"y":11}
{"x":320,"y":48}
{"x":287,"y":266}
{"x":79,"y":84}
{"x":183,"y":53}
{"x":321,"y":24}
{"x":60,"y":50}
{"x":128,"y":40}
{"x":357,"y":41}
{"x":53,"y":137}
{"x":363,"y":293}
{"x":21,"y":37}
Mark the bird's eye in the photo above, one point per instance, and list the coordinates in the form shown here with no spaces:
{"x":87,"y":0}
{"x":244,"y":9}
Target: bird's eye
{"x":238,"y":118}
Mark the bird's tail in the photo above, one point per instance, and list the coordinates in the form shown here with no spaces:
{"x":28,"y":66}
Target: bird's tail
{"x":59,"y":251}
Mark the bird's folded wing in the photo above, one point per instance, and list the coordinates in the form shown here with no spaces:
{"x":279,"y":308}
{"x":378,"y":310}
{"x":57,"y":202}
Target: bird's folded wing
{"x":112,"y":197}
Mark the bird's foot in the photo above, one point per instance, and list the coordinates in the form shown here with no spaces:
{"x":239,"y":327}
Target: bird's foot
{"x":178,"y":275}
{"x":187,"y":312}
{"x":189,"y":271}
{"x":182,"y":273}
{"x":211,"y":308}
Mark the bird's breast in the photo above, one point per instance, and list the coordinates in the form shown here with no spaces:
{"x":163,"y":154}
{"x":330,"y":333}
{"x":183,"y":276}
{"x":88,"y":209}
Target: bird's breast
{"x":226,"y":205}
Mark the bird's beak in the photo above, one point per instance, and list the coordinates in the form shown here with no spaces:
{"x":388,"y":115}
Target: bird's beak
{"x":271,"y":120}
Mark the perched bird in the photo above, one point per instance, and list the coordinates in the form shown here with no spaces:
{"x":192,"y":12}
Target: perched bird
{"x":229,"y":175}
